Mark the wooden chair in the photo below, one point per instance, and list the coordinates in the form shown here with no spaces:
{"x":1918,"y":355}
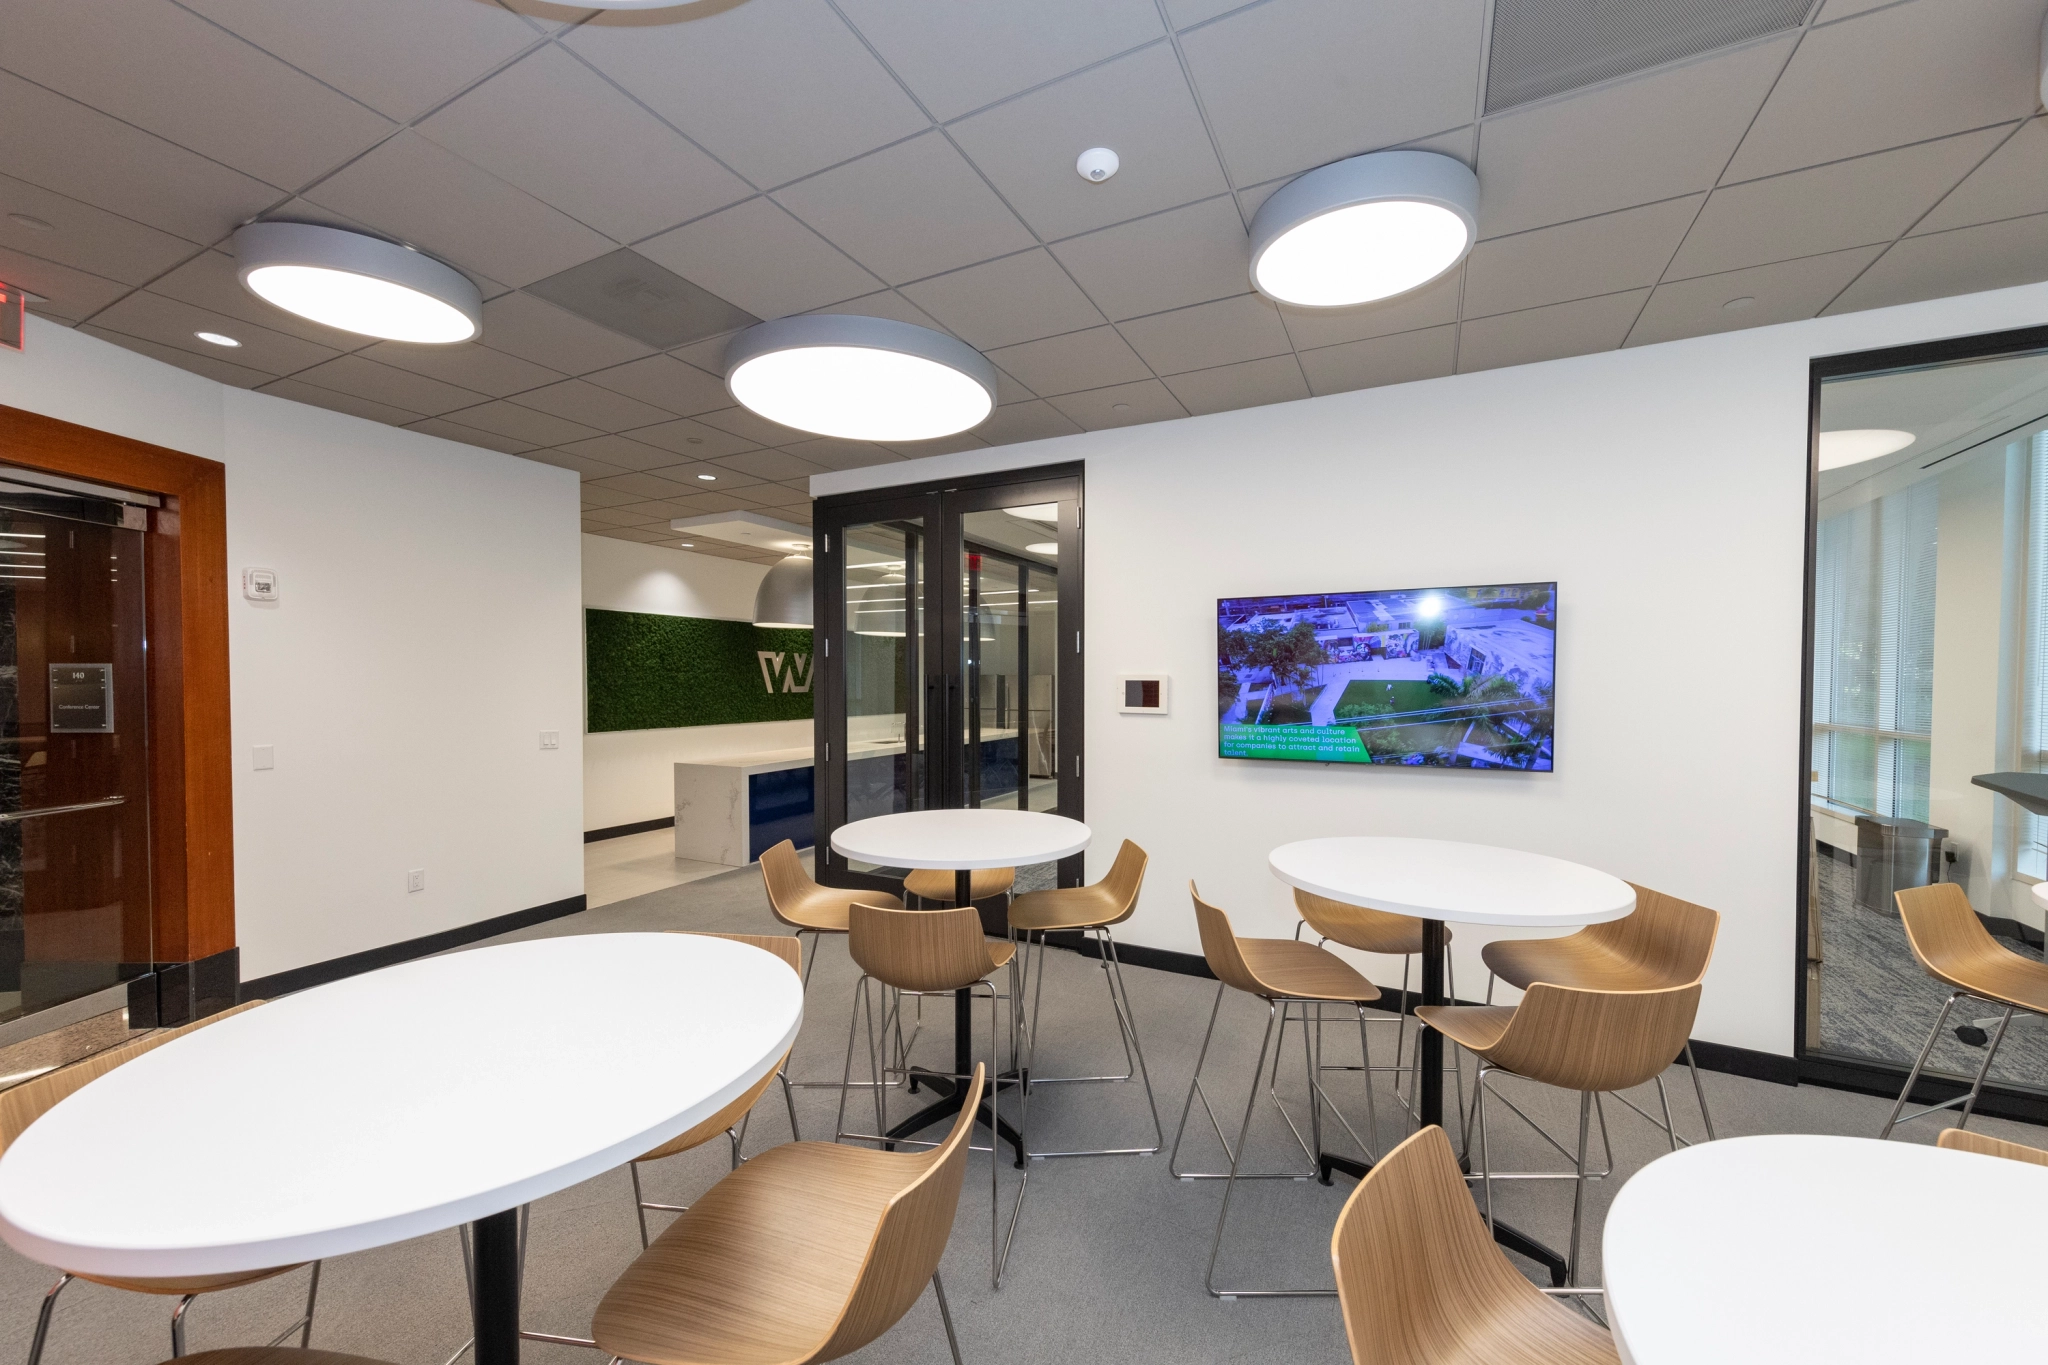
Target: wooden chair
{"x":1283,"y":972}
{"x":1594,"y":1042}
{"x":808,"y":908}
{"x":276,"y":1355}
{"x":1663,"y":942}
{"x":1957,"y":950}
{"x":806,"y":1253}
{"x":931,"y":952}
{"x":935,"y":885}
{"x":1090,"y":911}
{"x":29,"y":1101}
{"x":1962,"y":1140}
{"x":1422,"y":1283}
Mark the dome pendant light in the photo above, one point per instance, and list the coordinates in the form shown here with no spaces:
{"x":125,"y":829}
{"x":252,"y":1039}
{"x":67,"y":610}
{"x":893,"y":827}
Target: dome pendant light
{"x":357,"y":283}
{"x":1364,"y":229}
{"x":784,"y":597}
{"x":860,"y":378}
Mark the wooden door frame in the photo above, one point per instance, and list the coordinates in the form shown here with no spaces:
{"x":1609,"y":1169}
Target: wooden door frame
{"x":191,"y":792}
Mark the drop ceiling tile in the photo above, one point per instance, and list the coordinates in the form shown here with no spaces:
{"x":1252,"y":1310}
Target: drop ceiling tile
{"x":208,"y":281}
{"x":585,"y":467}
{"x":696,"y":440}
{"x":1561,"y":329}
{"x":908,"y":211}
{"x":1652,"y":137}
{"x":83,"y":237}
{"x":471,"y":218}
{"x":1433,"y":305}
{"x":2012,"y":183}
{"x":72,"y":295}
{"x":1843,"y":9}
{"x":568,"y":137}
{"x":1828,"y":208}
{"x":962,"y":56}
{"x":1624,"y":250}
{"x":1403,"y":358}
{"x":470,"y":436}
{"x":593,"y":406}
{"x":833,"y":453}
{"x":621,"y":452}
{"x":616,"y":516}
{"x":1251,"y":384}
{"x":667,"y":383}
{"x":443,"y":47}
{"x":1186,"y":255}
{"x":156,"y":318}
{"x":752,"y":427}
{"x":887,"y":303}
{"x":776,"y":89}
{"x":642,"y":537}
{"x":596,"y":495}
{"x":1292,"y":84}
{"x":702,"y":476}
{"x":314,"y":396}
{"x":1139,"y":104}
{"x":1121,"y":405}
{"x":155,"y":65}
{"x":646,"y":485}
{"x":1957,"y":67}
{"x":1186,"y":14}
{"x":1208,"y":334}
{"x":63,"y":145}
{"x":770,"y":464}
{"x":943,"y":445}
{"x":523,"y":424}
{"x":353,"y":374}
{"x":1078,"y":360}
{"x":1000,"y":303}
{"x":723,"y":502}
{"x":537,"y":331}
{"x":1009,"y":390}
{"x":220,"y":371}
{"x":1782,"y":292}
{"x":656,"y":511}
{"x":708,"y":355}
{"x":1036,"y":420}
{"x":1960,"y":261}
{"x":785,"y":502}
{"x":762,"y":259}
{"x":470,"y":366}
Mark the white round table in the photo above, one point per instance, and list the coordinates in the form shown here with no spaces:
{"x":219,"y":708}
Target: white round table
{"x":1798,"y":1249}
{"x":401,"y":1102}
{"x":961,"y":840}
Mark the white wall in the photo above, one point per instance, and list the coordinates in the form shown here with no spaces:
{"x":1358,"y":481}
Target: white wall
{"x":426,"y":633}
{"x":1662,"y":487}
{"x":629,"y":775}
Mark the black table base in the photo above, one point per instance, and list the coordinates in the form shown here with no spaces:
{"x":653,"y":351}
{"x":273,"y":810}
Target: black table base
{"x":495,"y":1240}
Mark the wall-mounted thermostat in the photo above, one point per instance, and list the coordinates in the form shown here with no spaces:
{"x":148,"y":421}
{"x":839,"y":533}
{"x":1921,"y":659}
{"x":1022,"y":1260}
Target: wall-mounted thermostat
{"x":259,"y":585}
{"x":1145,"y":694}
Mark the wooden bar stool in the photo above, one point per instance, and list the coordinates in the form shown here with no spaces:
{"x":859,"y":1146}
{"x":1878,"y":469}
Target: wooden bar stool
{"x":1422,"y":1283}
{"x":1664,"y":942}
{"x":1282,"y":972}
{"x":1957,"y":950}
{"x":1963,"y":1140}
{"x":808,"y":908}
{"x":1091,"y":911}
{"x":934,"y":885}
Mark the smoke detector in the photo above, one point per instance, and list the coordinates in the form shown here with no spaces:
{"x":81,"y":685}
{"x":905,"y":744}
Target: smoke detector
{"x":1097,"y":164}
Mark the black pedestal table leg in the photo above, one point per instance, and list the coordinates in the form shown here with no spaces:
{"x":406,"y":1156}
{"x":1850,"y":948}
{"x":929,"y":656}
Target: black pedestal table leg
{"x":496,"y":1240}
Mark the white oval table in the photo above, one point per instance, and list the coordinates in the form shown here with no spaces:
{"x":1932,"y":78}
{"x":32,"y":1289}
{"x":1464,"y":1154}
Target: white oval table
{"x":961,"y":840}
{"x":1795,"y":1248}
{"x":1440,"y":880}
{"x":401,"y":1102}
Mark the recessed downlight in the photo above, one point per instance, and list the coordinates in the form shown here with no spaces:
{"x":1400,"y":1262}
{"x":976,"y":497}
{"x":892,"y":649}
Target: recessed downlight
{"x":708,"y":478}
{"x":216,"y":339}
{"x":357,"y":283}
{"x":31,"y":222}
{"x":686,"y":544}
{"x":1839,"y":449}
{"x":1364,"y":229}
{"x":860,"y":378}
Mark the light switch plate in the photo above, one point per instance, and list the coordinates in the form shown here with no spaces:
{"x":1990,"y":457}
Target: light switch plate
{"x":264,"y":757}
{"x":551,"y":739}
{"x":416,"y":880}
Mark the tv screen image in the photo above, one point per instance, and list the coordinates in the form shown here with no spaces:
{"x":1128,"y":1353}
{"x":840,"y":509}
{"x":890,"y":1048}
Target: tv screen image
{"x":1421,"y":677}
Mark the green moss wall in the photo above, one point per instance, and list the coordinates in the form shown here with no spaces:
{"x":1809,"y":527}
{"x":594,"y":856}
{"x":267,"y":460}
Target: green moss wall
{"x":650,"y":672}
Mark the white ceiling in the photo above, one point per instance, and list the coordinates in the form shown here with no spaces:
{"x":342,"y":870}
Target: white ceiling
{"x":914,"y":159}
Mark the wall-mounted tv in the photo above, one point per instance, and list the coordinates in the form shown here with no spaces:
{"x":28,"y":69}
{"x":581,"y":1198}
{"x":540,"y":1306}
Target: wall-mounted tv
{"x":1421,"y":677}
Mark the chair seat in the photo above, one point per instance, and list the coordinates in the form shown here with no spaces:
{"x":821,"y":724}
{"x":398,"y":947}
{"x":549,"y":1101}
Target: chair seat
{"x":1531,"y":1330}
{"x":1067,"y":907}
{"x":272,"y":1355}
{"x":760,"y":1269}
{"x":1477,"y":1028}
{"x":1367,"y":930}
{"x":182,"y":1285}
{"x":1569,"y":961}
{"x":1285,"y":968}
{"x":1999,"y":974}
{"x":936,"y":883}
{"x":824,"y":909}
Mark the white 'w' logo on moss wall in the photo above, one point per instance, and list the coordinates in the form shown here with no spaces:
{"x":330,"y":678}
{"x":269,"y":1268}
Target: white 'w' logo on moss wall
{"x":793,"y":671}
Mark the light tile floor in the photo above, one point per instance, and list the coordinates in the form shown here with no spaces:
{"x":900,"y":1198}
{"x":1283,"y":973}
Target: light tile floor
{"x":635,"y":864}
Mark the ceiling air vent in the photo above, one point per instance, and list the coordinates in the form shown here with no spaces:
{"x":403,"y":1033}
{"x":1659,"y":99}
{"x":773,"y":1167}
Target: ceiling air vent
{"x":1545,"y":47}
{"x":631,"y":295}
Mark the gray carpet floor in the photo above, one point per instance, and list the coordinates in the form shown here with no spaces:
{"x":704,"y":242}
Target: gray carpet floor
{"x":1109,"y":1252}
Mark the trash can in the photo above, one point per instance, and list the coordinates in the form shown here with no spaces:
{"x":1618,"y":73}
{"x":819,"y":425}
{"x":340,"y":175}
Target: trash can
{"x":1893,"y":853}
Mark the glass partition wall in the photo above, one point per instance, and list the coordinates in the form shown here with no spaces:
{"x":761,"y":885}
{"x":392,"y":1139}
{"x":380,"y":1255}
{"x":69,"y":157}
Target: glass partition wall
{"x":1929,"y":669}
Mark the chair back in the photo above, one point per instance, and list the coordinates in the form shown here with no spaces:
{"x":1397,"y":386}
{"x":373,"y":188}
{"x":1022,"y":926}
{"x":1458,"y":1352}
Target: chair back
{"x":1945,"y":933}
{"x":782,"y":872}
{"x":1963,"y":1140}
{"x":1219,"y":946}
{"x":1596,"y":1040}
{"x":1126,"y":877}
{"x":912,"y":1234}
{"x":1420,"y":1281}
{"x":29,"y":1101}
{"x":790,"y":949}
{"x":1667,"y":940}
{"x":919,"y":950}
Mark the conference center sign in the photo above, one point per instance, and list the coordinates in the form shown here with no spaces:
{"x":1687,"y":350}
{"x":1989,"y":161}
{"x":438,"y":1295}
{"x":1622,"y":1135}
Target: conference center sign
{"x":649,"y":672}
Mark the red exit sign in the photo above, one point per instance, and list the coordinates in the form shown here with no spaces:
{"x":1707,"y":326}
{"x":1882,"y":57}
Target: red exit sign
{"x":13,"y":314}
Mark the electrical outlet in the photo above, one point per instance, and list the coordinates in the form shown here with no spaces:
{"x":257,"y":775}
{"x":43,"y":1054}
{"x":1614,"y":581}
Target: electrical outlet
{"x":551,"y":739}
{"x":416,"y":880}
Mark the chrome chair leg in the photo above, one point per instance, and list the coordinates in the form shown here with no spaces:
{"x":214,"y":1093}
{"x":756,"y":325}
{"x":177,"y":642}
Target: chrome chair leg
{"x":35,"y":1349}
{"x":178,"y":1325}
{"x":639,"y":1207}
{"x":1984,"y":1070}
{"x":1127,"y":1032}
{"x":946,"y":1317}
{"x":304,"y":1326}
{"x":1919,"y":1063}
{"x":1579,"y":1184}
{"x":1699,"y":1092}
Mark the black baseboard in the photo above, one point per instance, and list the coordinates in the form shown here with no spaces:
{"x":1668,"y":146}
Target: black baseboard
{"x":2001,"y":927}
{"x":1742,"y":1061}
{"x":369,"y":960}
{"x":1869,"y":1078}
{"x":591,"y":836}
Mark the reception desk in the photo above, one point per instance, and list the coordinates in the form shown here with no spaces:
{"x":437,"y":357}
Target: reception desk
{"x":730,"y":810}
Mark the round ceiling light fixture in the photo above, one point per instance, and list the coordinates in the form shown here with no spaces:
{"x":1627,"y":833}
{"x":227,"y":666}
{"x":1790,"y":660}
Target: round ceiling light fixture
{"x":217,"y":339}
{"x":357,"y":283}
{"x":860,"y":378}
{"x":1364,"y":229}
{"x":1043,"y":547}
{"x":1839,"y":449}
